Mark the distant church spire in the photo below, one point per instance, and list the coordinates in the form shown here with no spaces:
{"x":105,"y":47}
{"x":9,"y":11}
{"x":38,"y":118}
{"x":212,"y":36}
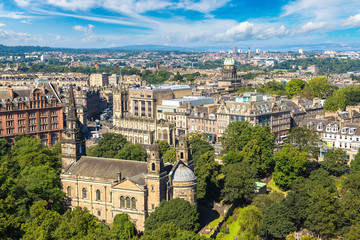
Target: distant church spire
{"x":73,"y":143}
{"x":72,"y":116}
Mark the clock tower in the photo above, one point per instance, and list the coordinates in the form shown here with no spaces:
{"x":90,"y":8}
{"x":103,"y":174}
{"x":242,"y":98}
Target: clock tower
{"x":73,"y":143}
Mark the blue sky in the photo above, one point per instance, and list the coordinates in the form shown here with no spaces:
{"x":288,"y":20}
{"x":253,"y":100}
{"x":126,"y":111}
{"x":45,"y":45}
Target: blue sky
{"x":265,"y":24}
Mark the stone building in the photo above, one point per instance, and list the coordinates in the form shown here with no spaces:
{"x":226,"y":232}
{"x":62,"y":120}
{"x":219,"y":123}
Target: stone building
{"x":229,"y":75}
{"x":257,"y":109}
{"x":134,"y":113}
{"x":336,"y":134}
{"x":35,"y":110}
{"x":107,"y":187}
{"x":99,"y":79}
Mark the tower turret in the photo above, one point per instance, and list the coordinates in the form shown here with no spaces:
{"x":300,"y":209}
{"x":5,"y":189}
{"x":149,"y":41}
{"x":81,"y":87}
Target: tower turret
{"x":73,"y":143}
{"x":156,"y":178}
{"x":183,"y":152}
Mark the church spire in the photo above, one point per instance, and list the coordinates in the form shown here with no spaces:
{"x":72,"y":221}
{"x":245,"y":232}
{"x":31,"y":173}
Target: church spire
{"x":72,"y":116}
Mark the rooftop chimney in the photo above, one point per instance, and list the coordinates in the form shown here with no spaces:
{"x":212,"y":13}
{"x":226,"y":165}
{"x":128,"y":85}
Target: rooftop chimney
{"x":11,"y":92}
{"x":119,"y":177}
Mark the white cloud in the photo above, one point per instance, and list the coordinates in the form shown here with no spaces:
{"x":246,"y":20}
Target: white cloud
{"x":353,"y":21}
{"x":26,"y":21}
{"x":73,"y":4}
{"x":9,"y":36}
{"x":203,"y":6}
{"x":248,"y":30}
{"x":23,"y":3}
{"x":2,"y":24}
{"x":320,"y":9}
{"x":311,"y":26}
{"x":89,"y":36}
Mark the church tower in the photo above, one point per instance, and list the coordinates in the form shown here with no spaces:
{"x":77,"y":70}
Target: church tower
{"x":183,"y":152}
{"x":156,"y":178}
{"x":73,"y":143}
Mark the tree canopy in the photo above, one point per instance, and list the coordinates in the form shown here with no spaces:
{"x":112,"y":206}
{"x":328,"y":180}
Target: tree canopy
{"x":177,"y":211}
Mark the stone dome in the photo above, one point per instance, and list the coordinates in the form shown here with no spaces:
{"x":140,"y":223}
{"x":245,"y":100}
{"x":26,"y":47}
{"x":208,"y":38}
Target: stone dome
{"x":229,"y":61}
{"x":183,"y":174}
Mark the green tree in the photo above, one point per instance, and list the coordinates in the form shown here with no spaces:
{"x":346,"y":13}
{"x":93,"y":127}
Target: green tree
{"x":322,"y":211}
{"x":305,"y":139}
{"x":238,"y":185}
{"x":264,"y":201}
{"x":170,"y":155}
{"x":206,"y":171}
{"x":294,"y":87}
{"x":43,"y":222}
{"x":170,"y":231}
{"x":108,"y":146}
{"x":123,"y":228}
{"x":249,"y":220}
{"x":343,"y":97}
{"x":39,"y":183}
{"x":251,"y":144}
{"x":278,"y":221}
{"x":4,"y":147}
{"x":335,"y":161}
{"x":355,"y":164}
{"x":132,"y":152}
{"x":318,"y":87}
{"x":76,"y":224}
{"x":354,"y":233}
{"x":164,"y":146}
{"x":289,"y":164}
{"x":177,"y":211}
{"x":199,"y":147}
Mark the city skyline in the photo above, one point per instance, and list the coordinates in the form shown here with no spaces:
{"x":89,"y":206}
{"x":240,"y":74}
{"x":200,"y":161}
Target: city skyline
{"x":205,"y":23}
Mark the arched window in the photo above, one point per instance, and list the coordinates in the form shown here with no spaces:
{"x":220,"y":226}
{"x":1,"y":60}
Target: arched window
{"x":152,"y":188}
{"x":98,"y":195}
{"x":127,"y":202}
{"x":84,"y":192}
{"x":133,"y":203}
{"x":68,"y":191}
{"x":153,"y":166}
{"x":181,"y":155}
{"x":165,"y":135}
{"x":110,"y":197}
{"x":122,"y":202}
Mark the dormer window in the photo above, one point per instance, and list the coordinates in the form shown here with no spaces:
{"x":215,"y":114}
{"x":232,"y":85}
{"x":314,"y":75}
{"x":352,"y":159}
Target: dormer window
{"x":344,"y":130}
{"x":335,"y":128}
{"x":352,"y":130}
{"x":310,"y":125}
{"x":328,"y":128}
{"x":320,"y":126}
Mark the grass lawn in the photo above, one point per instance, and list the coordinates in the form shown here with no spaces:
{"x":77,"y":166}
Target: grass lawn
{"x":233,"y":230}
{"x":215,"y":222}
{"x":275,"y":188}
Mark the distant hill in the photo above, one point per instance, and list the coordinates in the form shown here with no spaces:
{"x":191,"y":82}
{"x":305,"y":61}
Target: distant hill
{"x":26,"y":49}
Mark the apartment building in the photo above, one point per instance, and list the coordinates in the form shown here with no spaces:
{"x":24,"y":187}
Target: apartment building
{"x":36,"y":110}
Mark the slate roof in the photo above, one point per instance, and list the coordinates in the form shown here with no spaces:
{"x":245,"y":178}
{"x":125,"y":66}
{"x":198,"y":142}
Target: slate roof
{"x":106,"y":168}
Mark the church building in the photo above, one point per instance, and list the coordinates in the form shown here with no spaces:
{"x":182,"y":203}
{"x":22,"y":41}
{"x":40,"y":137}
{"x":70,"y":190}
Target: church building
{"x":107,"y":187}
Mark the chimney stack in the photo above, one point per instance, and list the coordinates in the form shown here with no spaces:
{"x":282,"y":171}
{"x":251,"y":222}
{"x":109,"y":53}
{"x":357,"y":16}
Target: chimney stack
{"x":119,"y":177}
{"x":11,"y":92}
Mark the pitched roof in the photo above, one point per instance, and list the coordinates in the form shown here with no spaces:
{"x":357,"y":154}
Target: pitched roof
{"x":106,"y":168}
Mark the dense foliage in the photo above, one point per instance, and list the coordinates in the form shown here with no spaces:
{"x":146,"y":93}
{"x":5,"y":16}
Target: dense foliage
{"x":113,"y":145}
{"x":343,"y":97}
{"x":31,"y":198}
{"x":252,"y":145}
{"x":326,"y":65}
{"x":177,"y":211}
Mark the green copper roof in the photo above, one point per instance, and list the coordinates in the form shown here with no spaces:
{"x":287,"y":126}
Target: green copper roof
{"x":229,"y":61}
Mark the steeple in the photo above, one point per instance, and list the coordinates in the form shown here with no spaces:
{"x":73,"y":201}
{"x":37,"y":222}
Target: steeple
{"x":71,"y":116}
{"x":73,"y":143}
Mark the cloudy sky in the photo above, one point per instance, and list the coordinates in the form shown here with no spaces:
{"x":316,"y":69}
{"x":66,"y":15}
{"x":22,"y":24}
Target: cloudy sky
{"x":274,"y":24}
